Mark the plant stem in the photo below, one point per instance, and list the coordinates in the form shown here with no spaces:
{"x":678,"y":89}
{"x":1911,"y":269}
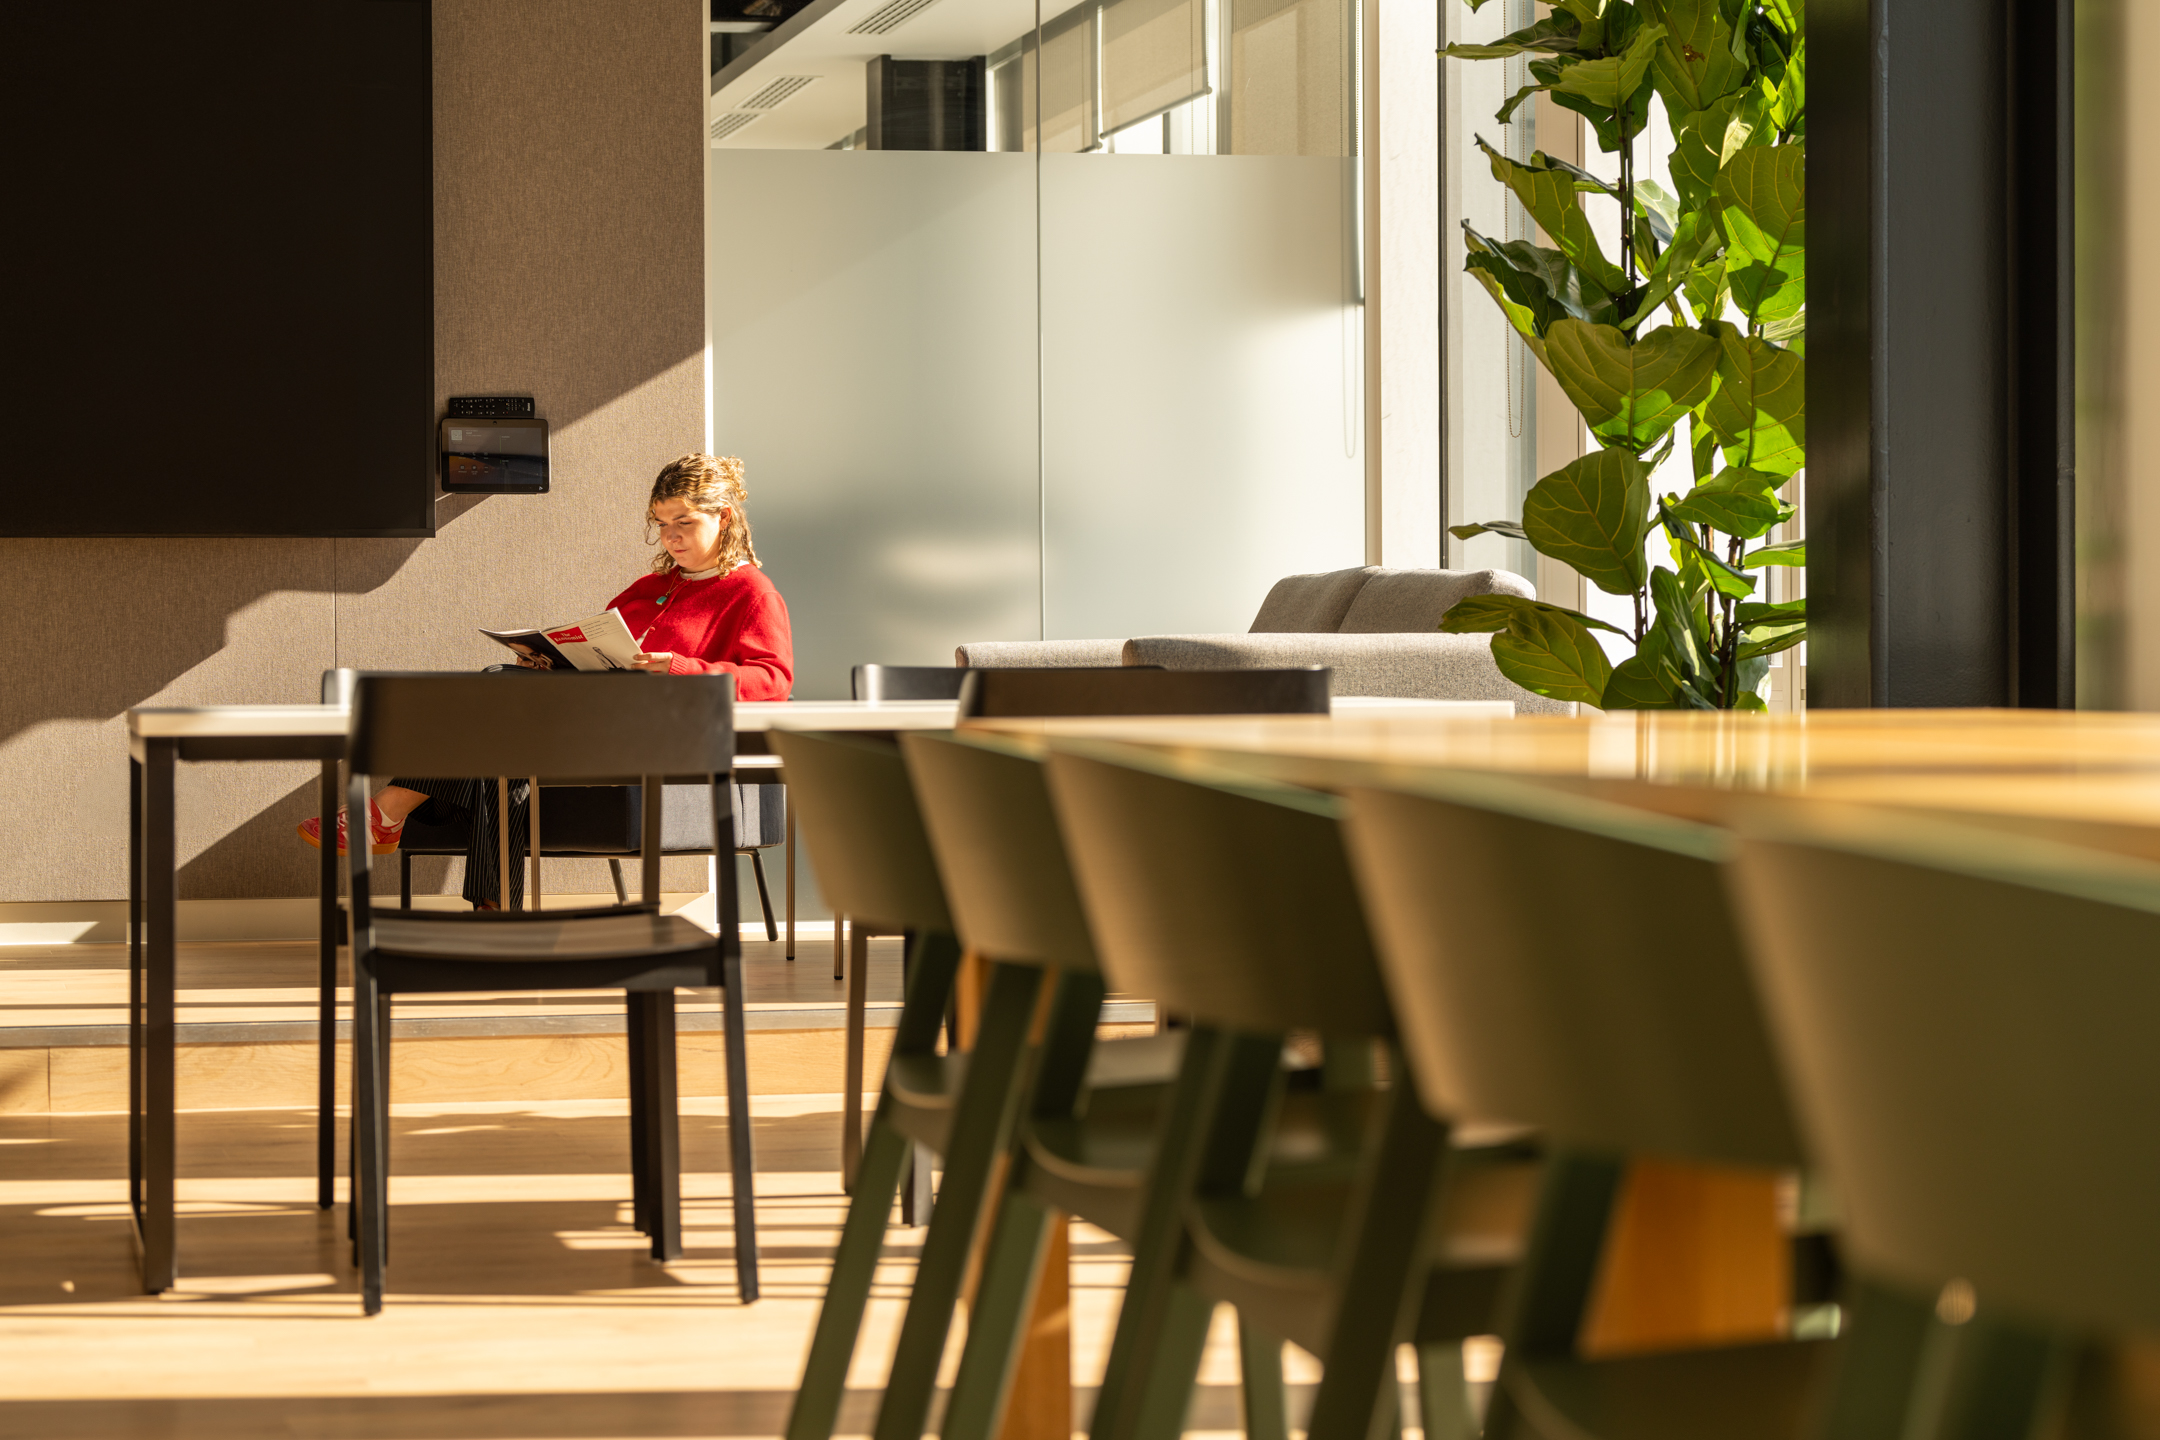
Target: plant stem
{"x":1627,"y":196}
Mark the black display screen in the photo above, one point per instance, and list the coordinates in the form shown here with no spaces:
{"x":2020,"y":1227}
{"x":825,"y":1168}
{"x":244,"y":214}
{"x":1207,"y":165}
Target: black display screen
{"x":263,"y":246}
{"x":492,"y":456}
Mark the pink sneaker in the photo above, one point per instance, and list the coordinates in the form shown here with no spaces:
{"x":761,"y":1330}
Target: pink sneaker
{"x":382,"y":838}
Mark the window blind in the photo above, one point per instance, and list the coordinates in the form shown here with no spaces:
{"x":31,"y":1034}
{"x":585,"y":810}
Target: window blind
{"x":1291,"y":89}
{"x":1154,"y":56}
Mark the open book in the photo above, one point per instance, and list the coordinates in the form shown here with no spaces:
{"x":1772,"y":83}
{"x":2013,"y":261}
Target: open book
{"x":601,"y":643}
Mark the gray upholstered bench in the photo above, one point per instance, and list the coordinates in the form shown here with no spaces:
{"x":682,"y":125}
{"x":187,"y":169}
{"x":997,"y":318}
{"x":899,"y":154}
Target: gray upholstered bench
{"x":1376,"y":628}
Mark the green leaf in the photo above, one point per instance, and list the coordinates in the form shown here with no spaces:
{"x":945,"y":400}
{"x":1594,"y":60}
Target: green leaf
{"x":1695,"y":64}
{"x":1478,"y":614}
{"x":1721,"y":577}
{"x":1659,"y":206}
{"x":1770,"y":639}
{"x":1755,"y":612}
{"x":1765,"y":213}
{"x":1699,"y":235}
{"x":1645,"y":680}
{"x":1554,"y":35}
{"x":1603,"y":118}
{"x":1760,"y":407}
{"x":1631,"y":394}
{"x":1490,"y":527}
{"x":1749,"y":701}
{"x":1788,"y":106}
{"x":1739,"y":502}
{"x":1549,"y":196}
{"x":1683,"y":631}
{"x":1605,"y":83}
{"x":1706,"y":290}
{"x":1549,"y":652}
{"x":1790,"y":552}
{"x":1706,"y":139}
{"x":1592,"y":514}
{"x":1791,"y":332}
{"x":1521,"y":293}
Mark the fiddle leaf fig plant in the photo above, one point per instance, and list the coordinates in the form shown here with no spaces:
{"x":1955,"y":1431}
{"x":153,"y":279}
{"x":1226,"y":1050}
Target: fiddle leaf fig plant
{"x":1699,"y":321}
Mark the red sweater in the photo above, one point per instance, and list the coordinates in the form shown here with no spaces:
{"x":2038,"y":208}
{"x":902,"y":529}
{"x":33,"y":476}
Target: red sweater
{"x":734,"y":624}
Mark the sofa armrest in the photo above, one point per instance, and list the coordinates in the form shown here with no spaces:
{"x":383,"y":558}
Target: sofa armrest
{"x":1410,"y":665}
{"x":1038,"y":654}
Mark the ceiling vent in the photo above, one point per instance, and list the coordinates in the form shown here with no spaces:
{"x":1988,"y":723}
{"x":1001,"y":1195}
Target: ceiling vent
{"x":729,"y":123}
{"x":774,"y":94}
{"x":891,"y":17}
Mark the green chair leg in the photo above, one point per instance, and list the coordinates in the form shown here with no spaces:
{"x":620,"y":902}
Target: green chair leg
{"x":1358,"y":1399}
{"x":862,"y":1240}
{"x":1162,"y":1326}
{"x":981,"y":1127}
{"x":997,"y":1322}
{"x":1444,"y":1394}
{"x":1260,"y":1371}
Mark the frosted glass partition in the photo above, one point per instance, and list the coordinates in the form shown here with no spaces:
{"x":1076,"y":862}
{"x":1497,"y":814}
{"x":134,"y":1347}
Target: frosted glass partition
{"x":1201,"y":407}
{"x":874,"y":354}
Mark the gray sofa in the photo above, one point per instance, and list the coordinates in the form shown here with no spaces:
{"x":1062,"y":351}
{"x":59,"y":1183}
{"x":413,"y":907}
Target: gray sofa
{"x":1377,"y":629}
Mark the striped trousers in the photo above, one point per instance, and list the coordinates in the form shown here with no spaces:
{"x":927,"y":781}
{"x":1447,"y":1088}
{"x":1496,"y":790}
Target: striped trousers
{"x":483,"y":857}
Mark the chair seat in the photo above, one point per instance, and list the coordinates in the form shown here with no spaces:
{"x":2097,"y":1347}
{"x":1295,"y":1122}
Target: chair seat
{"x":1141,"y":1060}
{"x":923,"y":1089}
{"x":1742,"y":1392}
{"x":524,"y":939}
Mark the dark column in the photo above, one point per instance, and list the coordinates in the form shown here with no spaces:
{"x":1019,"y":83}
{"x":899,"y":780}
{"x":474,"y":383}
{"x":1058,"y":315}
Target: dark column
{"x":1938,"y":366}
{"x":926,"y":104}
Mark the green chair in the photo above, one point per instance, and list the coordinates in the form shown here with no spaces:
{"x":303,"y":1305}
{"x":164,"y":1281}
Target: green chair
{"x":1088,"y":1135}
{"x":1580,"y":971}
{"x":1968,"y":1019}
{"x":1302,"y":1198}
{"x":858,"y":816}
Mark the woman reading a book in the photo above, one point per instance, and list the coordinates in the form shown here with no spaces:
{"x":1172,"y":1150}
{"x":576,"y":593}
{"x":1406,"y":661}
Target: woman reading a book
{"x":704,"y":608}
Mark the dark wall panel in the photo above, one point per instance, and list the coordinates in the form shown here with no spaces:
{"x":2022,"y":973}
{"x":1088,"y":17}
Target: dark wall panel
{"x":1938,"y":368}
{"x":221,"y":256}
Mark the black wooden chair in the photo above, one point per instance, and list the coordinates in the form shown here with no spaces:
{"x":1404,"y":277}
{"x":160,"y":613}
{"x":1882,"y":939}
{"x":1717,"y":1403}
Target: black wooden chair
{"x":592,"y":821}
{"x":598,"y":728}
{"x":1142,"y":690}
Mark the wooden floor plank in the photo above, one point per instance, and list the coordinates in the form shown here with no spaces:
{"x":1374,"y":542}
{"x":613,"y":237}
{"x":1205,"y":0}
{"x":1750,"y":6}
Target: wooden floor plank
{"x":520,"y":1306}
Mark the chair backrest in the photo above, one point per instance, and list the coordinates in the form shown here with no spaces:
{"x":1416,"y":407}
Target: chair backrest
{"x":988,"y":814}
{"x":1570,"y":964}
{"x":1143,"y":690}
{"x":855,"y":810}
{"x":558,"y":727}
{"x":905,"y":682}
{"x":1968,"y":1018}
{"x":1232,"y":903}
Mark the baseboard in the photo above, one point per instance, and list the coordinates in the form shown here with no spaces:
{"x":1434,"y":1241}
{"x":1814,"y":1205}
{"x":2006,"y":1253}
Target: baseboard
{"x":104,"y":922}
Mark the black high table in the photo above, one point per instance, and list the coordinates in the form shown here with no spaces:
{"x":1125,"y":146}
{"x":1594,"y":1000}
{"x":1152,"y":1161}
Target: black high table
{"x":157,"y":739}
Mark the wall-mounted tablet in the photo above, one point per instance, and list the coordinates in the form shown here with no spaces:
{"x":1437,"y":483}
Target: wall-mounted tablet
{"x":494,"y":455}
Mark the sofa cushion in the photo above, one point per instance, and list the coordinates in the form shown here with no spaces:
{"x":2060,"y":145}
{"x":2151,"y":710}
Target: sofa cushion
{"x":1397,"y":601}
{"x":1309,"y":604}
{"x":1037,"y":654}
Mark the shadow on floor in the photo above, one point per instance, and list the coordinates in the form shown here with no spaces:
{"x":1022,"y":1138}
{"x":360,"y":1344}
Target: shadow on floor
{"x":604,"y":1416}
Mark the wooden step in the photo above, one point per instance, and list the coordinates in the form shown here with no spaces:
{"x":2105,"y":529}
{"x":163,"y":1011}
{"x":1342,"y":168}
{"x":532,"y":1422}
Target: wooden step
{"x":247,"y":1031}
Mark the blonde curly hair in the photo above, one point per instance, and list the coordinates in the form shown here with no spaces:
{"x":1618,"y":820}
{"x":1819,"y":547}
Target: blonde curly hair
{"x":708,"y":484}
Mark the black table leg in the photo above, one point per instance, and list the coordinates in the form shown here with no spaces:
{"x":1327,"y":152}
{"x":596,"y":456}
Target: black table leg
{"x":160,"y":1265}
{"x":326,"y":1059}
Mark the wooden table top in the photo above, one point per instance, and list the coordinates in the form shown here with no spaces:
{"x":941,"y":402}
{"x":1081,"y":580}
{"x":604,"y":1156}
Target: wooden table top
{"x":2085,"y":767}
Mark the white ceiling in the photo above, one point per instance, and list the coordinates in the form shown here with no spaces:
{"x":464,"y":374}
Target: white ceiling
{"x":832,"y":105}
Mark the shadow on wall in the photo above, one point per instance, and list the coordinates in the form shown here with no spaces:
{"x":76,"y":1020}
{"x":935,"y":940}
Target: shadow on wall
{"x":146,"y":612}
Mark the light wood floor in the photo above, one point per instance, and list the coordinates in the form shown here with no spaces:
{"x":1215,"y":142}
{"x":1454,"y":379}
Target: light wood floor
{"x":274,"y":980}
{"x":520,"y":1305}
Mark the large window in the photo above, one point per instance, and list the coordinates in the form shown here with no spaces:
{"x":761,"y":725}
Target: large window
{"x":1039,"y":322}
